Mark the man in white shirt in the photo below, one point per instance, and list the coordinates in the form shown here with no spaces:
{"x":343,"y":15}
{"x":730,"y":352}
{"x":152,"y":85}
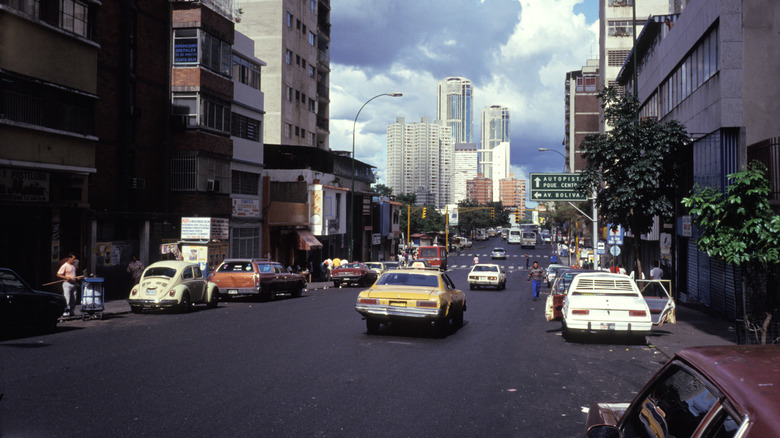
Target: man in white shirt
{"x":656,"y":273}
{"x":67,"y":272}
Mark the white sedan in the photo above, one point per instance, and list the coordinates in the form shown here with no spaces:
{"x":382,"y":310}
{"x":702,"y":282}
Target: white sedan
{"x":601,"y":302}
{"x":483,"y":274}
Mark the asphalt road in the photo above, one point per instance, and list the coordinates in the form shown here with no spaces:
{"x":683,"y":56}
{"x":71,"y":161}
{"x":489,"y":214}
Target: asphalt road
{"x":305,"y":367}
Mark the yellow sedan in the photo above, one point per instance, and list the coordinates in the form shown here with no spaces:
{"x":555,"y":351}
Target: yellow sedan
{"x":413,"y":295}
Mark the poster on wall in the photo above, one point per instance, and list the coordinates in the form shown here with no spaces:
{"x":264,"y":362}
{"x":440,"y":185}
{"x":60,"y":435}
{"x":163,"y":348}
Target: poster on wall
{"x":196,"y":254}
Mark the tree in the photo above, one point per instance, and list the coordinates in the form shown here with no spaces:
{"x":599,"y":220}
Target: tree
{"x":740,"y":227}
{"x":382,"y":190}
{"x":634,"y":167}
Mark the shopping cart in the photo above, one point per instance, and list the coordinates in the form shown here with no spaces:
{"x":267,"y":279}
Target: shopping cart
{"x":92,"y":303}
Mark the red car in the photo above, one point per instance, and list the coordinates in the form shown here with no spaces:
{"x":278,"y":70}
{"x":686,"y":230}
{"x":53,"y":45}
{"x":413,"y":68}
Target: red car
{"x":718,"y":391}
{"x":353,"y":273}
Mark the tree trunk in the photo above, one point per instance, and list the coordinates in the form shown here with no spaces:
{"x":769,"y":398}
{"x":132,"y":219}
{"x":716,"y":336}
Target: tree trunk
{"x":637,"y":250}
{"x":765,"y":327}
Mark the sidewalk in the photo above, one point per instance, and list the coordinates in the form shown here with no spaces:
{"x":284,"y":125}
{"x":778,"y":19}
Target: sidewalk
{"x":695,"y":327}
{"x":118,"y":307}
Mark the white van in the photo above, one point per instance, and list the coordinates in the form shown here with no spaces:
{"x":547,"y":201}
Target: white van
{"x":528,"y":239}
{"x":514,"y":236}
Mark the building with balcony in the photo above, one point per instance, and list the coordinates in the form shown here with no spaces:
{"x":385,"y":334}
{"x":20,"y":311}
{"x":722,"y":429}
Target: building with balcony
{"x":480,"y":189}
{"x":582,"y":106}
{"x":512,"y":193}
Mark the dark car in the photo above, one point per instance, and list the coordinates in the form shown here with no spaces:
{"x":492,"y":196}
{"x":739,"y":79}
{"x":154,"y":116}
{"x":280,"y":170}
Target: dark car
{"x":353,"y":273}
{"x":718,"y":391}
{"x":23,"y":307}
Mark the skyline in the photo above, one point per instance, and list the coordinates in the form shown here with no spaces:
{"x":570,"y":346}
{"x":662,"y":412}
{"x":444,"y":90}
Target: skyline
{"x":515,"y":53}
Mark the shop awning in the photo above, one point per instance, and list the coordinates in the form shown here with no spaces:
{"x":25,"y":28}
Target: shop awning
{"x":307,"y":241}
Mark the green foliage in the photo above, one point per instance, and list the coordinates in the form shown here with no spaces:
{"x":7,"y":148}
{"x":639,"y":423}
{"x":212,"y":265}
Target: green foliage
{"x":382,"y":190}
{"x":634,"y":166}
{"x":472,"y":215}
{"x":738,"y":226}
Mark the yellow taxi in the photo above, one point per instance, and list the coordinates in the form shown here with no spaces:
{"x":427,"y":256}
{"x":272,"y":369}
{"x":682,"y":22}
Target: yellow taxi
{"x":405,"y":295}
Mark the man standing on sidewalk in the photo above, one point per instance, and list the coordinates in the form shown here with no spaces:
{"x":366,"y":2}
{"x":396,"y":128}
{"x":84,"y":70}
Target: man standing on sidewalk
{"x":67,"y":272}
{"x":535,"y":277}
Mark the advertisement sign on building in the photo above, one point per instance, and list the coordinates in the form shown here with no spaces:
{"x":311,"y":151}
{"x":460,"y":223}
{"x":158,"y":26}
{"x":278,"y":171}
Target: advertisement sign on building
{"x":204,"y":228}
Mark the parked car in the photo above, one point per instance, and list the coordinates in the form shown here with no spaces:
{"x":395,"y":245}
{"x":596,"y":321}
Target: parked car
{"x":353,"y":273}
{"x":378,"y":267}
{"x":436,"y":256}
{"x":558,"y":288}
{"x":172,"y":284}
{"x":607,"y":303}
{"x":498,"y":253}
{"x":483,"y":274}
{"x":391,"y":265}
{"x":718,"y":391}
{"x":253,"y":277}
{"x":413,"y":295}
{"x":552,"y":271}
{"x":22,"y":307}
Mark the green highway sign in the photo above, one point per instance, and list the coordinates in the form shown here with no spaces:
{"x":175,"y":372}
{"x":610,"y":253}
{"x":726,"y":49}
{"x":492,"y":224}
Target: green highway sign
{"x":556,"y":187}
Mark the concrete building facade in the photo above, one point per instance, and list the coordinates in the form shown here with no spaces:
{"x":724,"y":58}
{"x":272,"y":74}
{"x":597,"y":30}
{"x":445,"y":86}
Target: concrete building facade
{"x":495,"y":130}
{"x":582,"y":106}
{"x":512,"y":193}
{"x":466,"y":162}
{"x":480,"y":189}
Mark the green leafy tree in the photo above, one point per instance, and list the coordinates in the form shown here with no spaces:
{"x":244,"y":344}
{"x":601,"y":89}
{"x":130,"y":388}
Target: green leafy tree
{"x":740,"y":227}
{"x":382,"y":190}
{"x":633,"y":167}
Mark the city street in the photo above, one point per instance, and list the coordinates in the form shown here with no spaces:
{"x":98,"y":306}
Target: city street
{"x":306,"y":367}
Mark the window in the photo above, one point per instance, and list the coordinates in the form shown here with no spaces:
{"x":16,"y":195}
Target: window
{"x":620,"y":3}
{"x":621,"y":28}
{"x":287,"y":130}
{"x":245,"y":127}
{"x":288,"y":19}
{"x":195,"y":46}
{"x":616,"y":58}
{"x":184,"y":173}
{"x":288,"y":57}
{"x":297,"y":60}
{"x":312,"y":39}
{"x":54,"y":107}
{"x":246,"y":71}
{"x":313,"y":5}
{"x":245,"y":183}
{"x":74,"y":17}
{"x":185,"y":107}
{"x":29,"y":7}
{"x":311,"y":71}
{"x":288,"y":93}
{"x":215,"y":114}
{"x":245,"y":243}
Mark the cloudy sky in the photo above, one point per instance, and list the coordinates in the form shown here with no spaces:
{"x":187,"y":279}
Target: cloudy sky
{"x":515,"y":52}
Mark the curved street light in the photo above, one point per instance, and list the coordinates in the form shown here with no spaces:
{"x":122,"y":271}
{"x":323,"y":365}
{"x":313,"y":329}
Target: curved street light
{"x":350,"y":214}
{"x":557,"y":152}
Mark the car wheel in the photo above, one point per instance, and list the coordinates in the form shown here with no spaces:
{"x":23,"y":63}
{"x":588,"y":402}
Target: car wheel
{"x":186,"y":303}
{"x":214,"y":299}
{"x":269,"y":295}
{"x":372,"y":326}
{"x":457,"y":318}
{"x":471,"y":286}
{"x":441,"y":328}
{"x":49,"y":325}
{"x":337,"y":284}
{"x":136,"y":309}
{"x":298,"y":290}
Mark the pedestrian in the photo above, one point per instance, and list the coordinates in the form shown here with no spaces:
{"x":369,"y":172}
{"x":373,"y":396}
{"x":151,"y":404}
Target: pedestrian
{"x":476,"y":259}
{"x":527,"y":260}
{"x":656,"y":273}
{"x":457,"y":247}
{"x":67,"y":273}
{"x":135,"y":268}
{"x":621,"y":269}
{"x":535,"y":277}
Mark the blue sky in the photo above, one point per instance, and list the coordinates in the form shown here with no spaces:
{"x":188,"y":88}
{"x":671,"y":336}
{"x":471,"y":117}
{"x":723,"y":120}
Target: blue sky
{"x":515,"y":52}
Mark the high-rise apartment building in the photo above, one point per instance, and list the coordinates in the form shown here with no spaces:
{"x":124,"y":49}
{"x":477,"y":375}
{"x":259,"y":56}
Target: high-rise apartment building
{"x":495,"y":130}
{"x":582,"y":106}
{"x":466,"y":161}
{"x":293,"y":37}
{"x":512,"y":193}
{"x":480,"y":189}
{"x":616,"y":37}
{"x":500,"y":166}
{"x":420,"y":160}
{"x":455,"y":107}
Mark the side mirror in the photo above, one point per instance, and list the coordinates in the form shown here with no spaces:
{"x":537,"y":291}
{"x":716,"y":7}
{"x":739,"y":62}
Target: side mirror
{"x":603,"y":431}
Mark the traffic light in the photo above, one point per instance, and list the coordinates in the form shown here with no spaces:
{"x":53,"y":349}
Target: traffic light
{"x":517,"y":215}
{"x":425,"y":210}
{"x":492,"y":213}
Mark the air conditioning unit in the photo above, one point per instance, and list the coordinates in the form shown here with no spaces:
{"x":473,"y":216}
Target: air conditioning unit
{"x":212,"y":185}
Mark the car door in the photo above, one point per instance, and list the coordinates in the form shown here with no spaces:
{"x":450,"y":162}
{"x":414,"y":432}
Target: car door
{"x":17,"y":300}
{"x":657,"y":294}
{"x":281,"y":278}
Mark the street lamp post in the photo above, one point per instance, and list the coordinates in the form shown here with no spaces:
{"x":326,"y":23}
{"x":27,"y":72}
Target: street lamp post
{"x":594,"y":219}
{"x":350,"y":214}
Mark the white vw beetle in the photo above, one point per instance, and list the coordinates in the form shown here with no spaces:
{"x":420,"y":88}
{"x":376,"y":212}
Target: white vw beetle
{"x":172,"y":285}
{"x":602,"y":302}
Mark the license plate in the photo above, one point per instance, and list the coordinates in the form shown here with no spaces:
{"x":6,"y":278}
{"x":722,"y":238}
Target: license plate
{"x":608,"y":326}
{"x":232,"y":292}
{"x":398,"y":303}
{"x":151,"y":291}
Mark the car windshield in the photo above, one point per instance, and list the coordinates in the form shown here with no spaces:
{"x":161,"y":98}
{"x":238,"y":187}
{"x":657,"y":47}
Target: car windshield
{"x":160,"y":271}
{"x":486,"y":269}
{"x":408,"y":279}
{"x":235,"y":267}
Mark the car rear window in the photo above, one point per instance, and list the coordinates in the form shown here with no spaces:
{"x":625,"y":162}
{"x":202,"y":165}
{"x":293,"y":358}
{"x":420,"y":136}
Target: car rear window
{"x":160,"y":272}
{"x":408,"y":279}
{"x":236,"y":267}
{"x":486,"y":269}
{"x":350,"y":266}
{"x":429,"y":252}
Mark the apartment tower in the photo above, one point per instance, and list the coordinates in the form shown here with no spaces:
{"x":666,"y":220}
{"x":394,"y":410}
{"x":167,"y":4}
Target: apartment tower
{"x":455,"y":107}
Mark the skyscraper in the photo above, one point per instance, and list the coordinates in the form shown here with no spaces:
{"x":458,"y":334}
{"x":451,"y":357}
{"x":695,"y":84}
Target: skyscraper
{"x":495,"y":132}
{"x":464,"y":168}
{"x":420,"y":160}
{"x":455,"y":109}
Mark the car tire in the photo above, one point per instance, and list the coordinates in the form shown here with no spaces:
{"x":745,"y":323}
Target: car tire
{"x":136,"y":309}
{"x":471,"y":286}
{"x":214,"y":301}
{"x":441,"y":328}
{"x":372,"y":326}
{"x":186,"y":303}
{"x":337,"y":284}
{"x":298,"y":290}
{"x":270,"y":295}
{"x":457,"y":318}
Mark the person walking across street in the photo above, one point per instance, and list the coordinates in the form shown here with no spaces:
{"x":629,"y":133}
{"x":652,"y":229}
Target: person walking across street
{"x":527,"y":260}
{"x":535,"y":277}
{"x":67,"y":273}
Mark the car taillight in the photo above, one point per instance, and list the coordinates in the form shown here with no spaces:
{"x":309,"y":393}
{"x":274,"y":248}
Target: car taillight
{"x":134,"y":292}
{"x":580,"y":312}
{"x":257,"y":280}
{"x":433,"y":304}
{"x":367,"y":301}
{"x":640,"y":313}
{"x":171,"y":293}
